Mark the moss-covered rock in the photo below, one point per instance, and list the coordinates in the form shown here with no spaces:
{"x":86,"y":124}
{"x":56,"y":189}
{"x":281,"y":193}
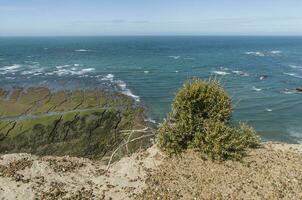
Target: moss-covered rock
{"x":76,"y":123}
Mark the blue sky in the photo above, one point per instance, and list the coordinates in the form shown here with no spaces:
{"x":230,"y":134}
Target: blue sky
{"x":150,"y":17}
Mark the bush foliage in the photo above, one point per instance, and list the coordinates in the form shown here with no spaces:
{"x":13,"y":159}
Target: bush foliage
{"x":200,"y":118}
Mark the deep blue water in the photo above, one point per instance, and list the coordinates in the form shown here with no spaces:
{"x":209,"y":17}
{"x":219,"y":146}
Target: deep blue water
{"x":151,"y":69}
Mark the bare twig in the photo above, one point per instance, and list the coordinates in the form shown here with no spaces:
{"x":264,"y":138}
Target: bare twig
{"x":138,"y":130}
{"x":138,"y":138}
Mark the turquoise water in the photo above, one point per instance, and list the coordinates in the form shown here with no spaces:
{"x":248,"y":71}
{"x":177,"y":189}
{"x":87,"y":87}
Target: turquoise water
{"x":150,"y":69}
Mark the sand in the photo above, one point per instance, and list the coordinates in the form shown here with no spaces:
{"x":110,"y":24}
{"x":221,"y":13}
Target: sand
{"x":29,"y":177}
{"x":273,"y":171}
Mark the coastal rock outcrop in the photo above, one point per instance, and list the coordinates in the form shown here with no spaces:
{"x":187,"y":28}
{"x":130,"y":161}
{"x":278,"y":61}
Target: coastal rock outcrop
{"x":299,"y":89}
{"x":76,"y":123}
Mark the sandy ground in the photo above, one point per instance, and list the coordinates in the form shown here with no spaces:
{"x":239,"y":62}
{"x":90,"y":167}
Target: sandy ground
{"x":273,"y":171}
{"x":24,"y":176}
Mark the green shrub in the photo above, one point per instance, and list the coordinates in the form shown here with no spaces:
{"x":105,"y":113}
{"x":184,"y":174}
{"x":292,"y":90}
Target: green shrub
{"x":250,"y":137}
{"x":220,"y":141}
{"x":200,"y":117}
{"x":199,"y":99}
{"x":174,"y":137}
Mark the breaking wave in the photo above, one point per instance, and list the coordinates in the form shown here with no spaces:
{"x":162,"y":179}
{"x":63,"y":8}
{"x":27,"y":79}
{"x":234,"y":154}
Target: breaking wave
{"x":221,"y":73}
{"x":174,"y":57}
{"x":256,"y":89}
{"x":254,"y":53}
{"x":293,"y":75}
{"x":10,"y":69}
{"x":122,"y":86}
{"x":82,"y":50}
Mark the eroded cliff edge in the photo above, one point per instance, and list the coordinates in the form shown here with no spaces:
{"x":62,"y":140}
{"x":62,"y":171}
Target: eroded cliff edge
{"x":82,"y":123}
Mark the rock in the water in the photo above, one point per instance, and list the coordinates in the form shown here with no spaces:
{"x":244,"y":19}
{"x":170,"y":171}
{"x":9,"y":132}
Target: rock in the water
{"x":299,"y":89}
{"x":262,"y":77}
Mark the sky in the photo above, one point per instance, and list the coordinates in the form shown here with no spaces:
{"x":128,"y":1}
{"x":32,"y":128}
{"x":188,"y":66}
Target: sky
{"x":150,"y":17}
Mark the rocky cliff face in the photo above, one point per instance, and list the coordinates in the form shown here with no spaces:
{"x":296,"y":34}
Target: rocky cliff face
{"x":76,"y":123}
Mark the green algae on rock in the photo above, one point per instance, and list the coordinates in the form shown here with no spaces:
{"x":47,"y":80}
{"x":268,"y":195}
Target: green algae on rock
{"x":86,"y":123}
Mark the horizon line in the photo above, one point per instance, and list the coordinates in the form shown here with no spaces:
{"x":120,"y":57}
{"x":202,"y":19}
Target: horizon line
{"x":157,"y":35}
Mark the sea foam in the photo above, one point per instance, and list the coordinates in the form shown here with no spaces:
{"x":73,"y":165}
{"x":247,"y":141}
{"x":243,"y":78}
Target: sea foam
{"x":82,"y":50}
{"x":122,"y":86}
{"x":240,"y":73}
{"x":255,"y":53}
{"x":174,"y":57}
{"x":73,"y":71}
{"x":295,"y":67}
{"x":10,"y":69}
{"x":256,"y":89}
{"x":221,"y":73}
{"x":108,"y":77}
{"x":276,"y":52}
{"x":293,"y":75}
{"x":62,"y":66}
{"x":287,"y":91}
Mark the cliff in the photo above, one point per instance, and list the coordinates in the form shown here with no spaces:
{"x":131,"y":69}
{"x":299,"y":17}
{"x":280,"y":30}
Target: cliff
{"x":85,"y":123}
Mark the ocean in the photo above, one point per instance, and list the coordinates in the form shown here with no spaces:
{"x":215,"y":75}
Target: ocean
{"x":260,"y":73}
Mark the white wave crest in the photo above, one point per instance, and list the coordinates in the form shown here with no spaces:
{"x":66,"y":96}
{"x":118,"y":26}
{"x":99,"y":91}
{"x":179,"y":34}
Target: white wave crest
{"x":254,"y":53}
{"x":256,"y":89}
{"x":240,"y":73}
{"x":287,"y":91}
{"x":295,"y":67}
{"x":108,"y":77}
{"x":62,"y":66}
{"x":10,"y":78}
{"x":221,"y":73}
{"x":10,"y":69}
{"x":269,"y":110}
{"x":74,"y":71}
{"x":174,"y":57}
{"x":276,"y":52}
{"x":82,"y":50}
{"x":87,"y":70}
{"x":293,"y":75}
{"x":122,"y":85}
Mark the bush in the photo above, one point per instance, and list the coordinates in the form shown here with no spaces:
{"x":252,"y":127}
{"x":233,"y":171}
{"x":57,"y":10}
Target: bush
{"x":200,"y":117}
{"x":221,"y":142}
{"x":199,"y":99}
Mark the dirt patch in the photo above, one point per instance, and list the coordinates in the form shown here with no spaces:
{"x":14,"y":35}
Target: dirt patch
{"x":271,"y":172}
{"x":66,"y":177}
{"x":266,"y":173}
{"x":13,"y":167}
